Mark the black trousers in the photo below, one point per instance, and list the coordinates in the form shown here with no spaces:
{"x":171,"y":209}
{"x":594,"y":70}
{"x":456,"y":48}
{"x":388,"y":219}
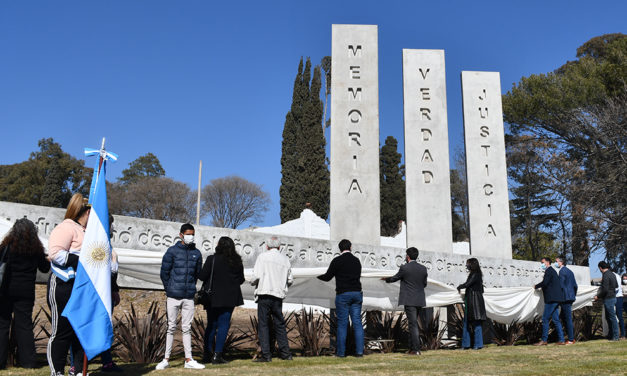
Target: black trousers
{"x":20,"y":309}
{"x":270,"y":306}
{"x":412,"y":322}
{"x":62,"y":335}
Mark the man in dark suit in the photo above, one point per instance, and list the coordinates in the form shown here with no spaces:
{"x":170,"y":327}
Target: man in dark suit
{"x":553,"y":296}
{"x":569,"y":285}
{"x":413,"y":277}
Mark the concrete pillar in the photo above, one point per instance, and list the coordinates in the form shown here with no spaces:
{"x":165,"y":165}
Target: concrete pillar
{"x":486,"y":169}
{"x":355,"y":213}
{"x":427,"y":174}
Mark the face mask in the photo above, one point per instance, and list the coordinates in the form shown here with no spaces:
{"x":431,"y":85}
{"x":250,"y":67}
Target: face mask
{"x":556,"y":265}
{"x":543,"y":266}
{"x":188,"y":239}
{"x":624,"y":281}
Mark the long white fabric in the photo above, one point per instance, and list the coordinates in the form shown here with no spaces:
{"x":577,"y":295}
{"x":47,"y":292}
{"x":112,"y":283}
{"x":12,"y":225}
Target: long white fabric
{"x":503,"y":305}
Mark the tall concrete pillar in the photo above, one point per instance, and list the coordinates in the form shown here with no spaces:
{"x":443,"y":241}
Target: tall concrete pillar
{"x":355,"y":213}
{"x":427,"y":175}
{"x":486,"y":169}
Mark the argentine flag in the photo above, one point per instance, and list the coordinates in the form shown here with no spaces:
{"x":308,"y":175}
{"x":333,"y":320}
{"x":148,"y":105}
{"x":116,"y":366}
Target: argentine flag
{"x":89,"y":307}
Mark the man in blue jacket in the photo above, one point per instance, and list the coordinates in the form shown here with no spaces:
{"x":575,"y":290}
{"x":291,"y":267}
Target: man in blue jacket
{"x":569,"y":286}
{"x":553,"y":296}
{"x":180,"y":267}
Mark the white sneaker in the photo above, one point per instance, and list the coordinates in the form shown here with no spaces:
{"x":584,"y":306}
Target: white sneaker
{"x":162,"y":365}
{"x":194,"y":364}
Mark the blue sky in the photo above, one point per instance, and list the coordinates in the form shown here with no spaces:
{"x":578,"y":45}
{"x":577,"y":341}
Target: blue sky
{"x":191,"y":80}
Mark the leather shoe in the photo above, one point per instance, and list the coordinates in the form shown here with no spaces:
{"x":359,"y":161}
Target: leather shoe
{"x":413,"y":353}
{"x":560,"y":343}
{"x":261,"y":359}
{"x":541,"y":343}
{"x":289,"y":357}
{"x":218,"y":359}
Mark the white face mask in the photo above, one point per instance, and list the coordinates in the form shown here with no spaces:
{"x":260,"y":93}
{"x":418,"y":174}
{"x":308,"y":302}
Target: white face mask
{"x":188,"y":239}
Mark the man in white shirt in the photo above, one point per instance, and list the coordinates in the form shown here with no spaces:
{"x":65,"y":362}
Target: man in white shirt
{"x":272,"y":276}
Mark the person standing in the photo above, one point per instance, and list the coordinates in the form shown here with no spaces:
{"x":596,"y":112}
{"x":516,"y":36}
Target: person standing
{"x":607,"y":293}
{"x":624,"y":288}
{"x":619,"y":306}
{"x":474,"y":305}
{"x":227,"y":272}
{"x":272,"y":275}
{"x":553,"y":296}
{"x":180,"y":269}
{"x":64,"y":246}
{"x":346,"y":269}
{"x":569,"y":286}
{"x":23,"y":254}
{"x":413,"y":277}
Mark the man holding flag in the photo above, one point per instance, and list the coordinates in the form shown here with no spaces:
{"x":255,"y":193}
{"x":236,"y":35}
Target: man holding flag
{"x":89,"y":307}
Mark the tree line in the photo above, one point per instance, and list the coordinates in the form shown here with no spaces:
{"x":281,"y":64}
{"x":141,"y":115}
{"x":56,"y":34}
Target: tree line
{"x":50,"y":176}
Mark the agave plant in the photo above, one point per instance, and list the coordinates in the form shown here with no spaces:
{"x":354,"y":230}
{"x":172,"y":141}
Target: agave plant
{"x":532,"y":330}
{"x":234,"y":338}
{"x":252,"y":333}
{"x":506,"y":334}
{"x":141,"y":338}
{"x":586,"y":324}
{"x":312,"y":332}
{"x":456,"y":323}
{"x":331,"y":321}
{"x":430,"y":333}
{"x":388,"y":325}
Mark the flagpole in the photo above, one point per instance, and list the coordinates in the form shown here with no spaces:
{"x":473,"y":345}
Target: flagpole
{"x":198,"y":200}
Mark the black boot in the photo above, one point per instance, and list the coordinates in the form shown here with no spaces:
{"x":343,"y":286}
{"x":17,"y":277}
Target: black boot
{"x":218,"y":359}
{"x":206,"y":356}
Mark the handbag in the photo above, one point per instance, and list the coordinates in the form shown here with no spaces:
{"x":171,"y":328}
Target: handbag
{"x":204,"y":295}
{"x":3,"y":264}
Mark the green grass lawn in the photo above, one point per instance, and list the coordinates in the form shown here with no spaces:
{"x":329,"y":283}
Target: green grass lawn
{"x":584,"y":358}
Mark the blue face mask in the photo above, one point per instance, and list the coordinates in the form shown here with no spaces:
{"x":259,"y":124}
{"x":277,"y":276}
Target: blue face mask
{"x":556,"y":265}
{"x":543,"y":266}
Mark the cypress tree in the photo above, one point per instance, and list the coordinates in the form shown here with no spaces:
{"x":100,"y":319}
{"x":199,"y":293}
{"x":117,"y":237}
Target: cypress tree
{"x":392,"y":187}
{"x":305,"y":176}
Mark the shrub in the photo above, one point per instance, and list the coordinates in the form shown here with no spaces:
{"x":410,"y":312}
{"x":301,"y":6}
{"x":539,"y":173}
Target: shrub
{"x":532,"y":330}
{"x":387,"y":325}
{"x":430,"y":333}
{"x":456,"y":323}
{"x":586,"y":324}
{"x":506,"y":334}
{"x":312,"y":331}
{"x":234,"y":338}
{"x":141,"y":338}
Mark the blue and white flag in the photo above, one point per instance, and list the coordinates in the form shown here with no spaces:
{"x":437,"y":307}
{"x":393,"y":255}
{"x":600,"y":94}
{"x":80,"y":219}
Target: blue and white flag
{"x":89,"y":307}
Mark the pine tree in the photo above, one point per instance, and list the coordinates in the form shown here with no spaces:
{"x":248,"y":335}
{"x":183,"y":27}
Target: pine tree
{"x":392,"y":183}
{"x":305,"y":175}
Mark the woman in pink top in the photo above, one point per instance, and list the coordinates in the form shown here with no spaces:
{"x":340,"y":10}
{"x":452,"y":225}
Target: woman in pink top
{"x":64,"y":246}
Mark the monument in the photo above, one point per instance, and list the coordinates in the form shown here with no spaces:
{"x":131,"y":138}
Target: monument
{"x":486,"y":169}
{"x":427,"y":174}
{"x":355,"y":205}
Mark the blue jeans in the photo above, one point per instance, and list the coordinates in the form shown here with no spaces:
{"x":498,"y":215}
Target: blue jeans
{"x":619,"y":314}
{"x":567,"y":311}
{"x":476,"y":326}
{"x":218,"y":324}
{"x":610,"y":316}
{"x":551,"y":313}
{"x":349,"y":303}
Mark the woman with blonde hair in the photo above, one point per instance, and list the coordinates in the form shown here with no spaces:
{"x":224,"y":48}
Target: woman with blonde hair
{"x":64,"y":246}
{"x":23,"y":254}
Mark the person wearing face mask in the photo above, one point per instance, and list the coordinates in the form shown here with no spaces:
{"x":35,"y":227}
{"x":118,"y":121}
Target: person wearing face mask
{"x":553,"y":296}
{"x":180,"y":269}
{"x":569,"y":285}
{"x":474,"y":305}
{"x":607,"y":293}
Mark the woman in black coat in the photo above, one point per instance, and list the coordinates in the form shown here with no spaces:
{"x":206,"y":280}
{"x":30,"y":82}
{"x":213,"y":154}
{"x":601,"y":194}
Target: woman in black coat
{"x":474,"y":312}
{"x":225,"y":271}
{"x":23,"y":253}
